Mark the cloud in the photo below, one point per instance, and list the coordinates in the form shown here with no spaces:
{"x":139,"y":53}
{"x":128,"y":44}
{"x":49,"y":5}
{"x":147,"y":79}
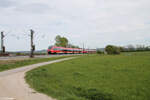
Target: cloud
{"x":95,"y":22}
{"x":33,"y":8}
{"x":7,"y":3}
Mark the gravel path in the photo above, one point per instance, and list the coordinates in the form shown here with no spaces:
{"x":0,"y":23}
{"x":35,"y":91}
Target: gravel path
{"x":14,"y":87}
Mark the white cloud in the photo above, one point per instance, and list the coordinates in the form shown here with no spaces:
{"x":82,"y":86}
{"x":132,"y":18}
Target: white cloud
{"x":96,"y":22}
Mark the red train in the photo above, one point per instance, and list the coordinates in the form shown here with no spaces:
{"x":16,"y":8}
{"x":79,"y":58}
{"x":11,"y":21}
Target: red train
{"x":63,"y":50}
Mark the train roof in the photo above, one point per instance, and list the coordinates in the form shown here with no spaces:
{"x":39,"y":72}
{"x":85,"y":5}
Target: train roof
{"x":65,"y":47}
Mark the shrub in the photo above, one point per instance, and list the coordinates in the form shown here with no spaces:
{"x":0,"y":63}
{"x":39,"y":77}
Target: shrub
{"x":100,"y":52}
{"x":110,"y":49}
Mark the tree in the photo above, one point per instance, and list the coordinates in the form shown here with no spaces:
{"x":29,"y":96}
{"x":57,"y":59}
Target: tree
{"x":99,"y":52}
{"x":64,"y":42}
{"x":72,"y":46}
{"x":140,"y":48}
{"x":110,"y":49}
{"x":61,"y":41}
{"x":131,"y":48}
{"x":122,"y":49}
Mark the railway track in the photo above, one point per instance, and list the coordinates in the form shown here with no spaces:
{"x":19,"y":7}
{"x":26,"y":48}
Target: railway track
{"x":36,"y":56}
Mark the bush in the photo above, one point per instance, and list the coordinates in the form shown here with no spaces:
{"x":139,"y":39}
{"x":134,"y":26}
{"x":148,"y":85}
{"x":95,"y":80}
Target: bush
{"x":110,"y":49}
{"x":100,"y":52}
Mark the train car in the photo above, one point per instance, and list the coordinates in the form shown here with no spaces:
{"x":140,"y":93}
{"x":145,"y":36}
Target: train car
{"x":55,"y":50}
{"x":63,"y":50}
{"x":91,"y":51}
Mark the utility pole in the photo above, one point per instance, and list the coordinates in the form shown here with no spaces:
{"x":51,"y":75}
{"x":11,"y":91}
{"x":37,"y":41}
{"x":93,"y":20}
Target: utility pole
{"x":83,"y":48}
{"x":32,"y":45}
{"x":2,"y":43}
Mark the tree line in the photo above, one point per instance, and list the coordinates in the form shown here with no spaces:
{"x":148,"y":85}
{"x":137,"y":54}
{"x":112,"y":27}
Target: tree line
{"x":112,"y":49}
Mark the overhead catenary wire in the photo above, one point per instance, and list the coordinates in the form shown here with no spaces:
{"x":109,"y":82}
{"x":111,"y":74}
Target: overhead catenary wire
{"x":23,"y":35}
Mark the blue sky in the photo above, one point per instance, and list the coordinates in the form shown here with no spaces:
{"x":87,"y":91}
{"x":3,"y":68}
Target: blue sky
{"x":95,"y":23}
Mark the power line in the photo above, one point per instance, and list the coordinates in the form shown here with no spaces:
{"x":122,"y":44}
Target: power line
{"x":38,"y":37}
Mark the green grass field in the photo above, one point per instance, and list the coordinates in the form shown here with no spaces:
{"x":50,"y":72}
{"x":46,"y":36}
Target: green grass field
{"x":11,"y":64}
{"x":95,"y":77}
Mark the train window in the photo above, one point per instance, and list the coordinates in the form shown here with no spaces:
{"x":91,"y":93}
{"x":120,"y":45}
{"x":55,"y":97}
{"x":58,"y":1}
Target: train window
{"x":70,"y":50}
{"x":57,"y":49}
{"x":65,"y":50}
{"x":50,"y":47}
{"x":76,"y":50}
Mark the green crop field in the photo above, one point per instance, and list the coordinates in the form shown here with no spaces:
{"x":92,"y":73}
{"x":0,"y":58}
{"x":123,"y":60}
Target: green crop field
{"x":95,"y":77}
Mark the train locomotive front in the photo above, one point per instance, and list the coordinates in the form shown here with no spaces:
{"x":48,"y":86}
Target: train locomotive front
{"x":63,"y":50}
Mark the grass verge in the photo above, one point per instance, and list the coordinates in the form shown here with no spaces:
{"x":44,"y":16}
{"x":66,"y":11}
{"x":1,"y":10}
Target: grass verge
{"x":6,"y":65}
{"x":95,"y":77}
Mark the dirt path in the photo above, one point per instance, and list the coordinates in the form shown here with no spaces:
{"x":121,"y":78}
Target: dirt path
{"x":14,"y":87}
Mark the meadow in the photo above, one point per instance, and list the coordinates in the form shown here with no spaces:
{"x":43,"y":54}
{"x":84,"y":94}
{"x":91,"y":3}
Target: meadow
{"x":95,"y":77}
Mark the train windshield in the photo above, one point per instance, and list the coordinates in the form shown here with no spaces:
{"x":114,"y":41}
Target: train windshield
{"x":50,"y":47}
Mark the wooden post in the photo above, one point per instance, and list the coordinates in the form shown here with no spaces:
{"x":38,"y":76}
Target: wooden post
{"x":32,"y":46}
{"x":2,"y":43}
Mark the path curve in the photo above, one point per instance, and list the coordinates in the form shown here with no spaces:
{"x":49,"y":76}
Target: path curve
{"x":14,"y":87}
